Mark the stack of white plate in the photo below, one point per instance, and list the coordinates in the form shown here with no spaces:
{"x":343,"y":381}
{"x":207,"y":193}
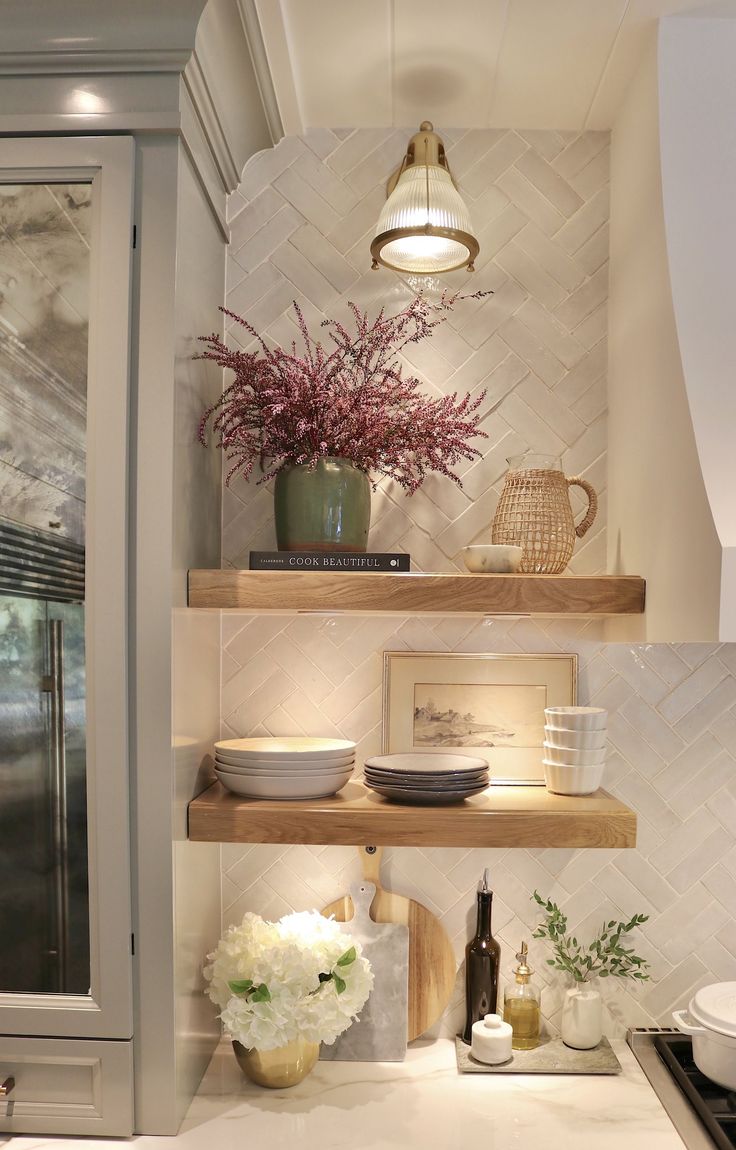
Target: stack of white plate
{"x":423,"y":778}
{"x":287,"y":768}
{"x":574,"y":749}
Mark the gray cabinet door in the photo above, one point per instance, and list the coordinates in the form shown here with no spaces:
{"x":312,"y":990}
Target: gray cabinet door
{"x":65,"y":284}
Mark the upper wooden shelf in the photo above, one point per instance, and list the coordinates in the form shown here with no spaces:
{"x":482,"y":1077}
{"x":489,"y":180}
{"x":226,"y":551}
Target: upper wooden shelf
{"x":418,"y":593}
{"x":499,"y":817}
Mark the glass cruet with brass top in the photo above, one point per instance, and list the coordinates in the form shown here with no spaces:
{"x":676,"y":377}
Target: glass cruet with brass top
{"x":521,"y":1005}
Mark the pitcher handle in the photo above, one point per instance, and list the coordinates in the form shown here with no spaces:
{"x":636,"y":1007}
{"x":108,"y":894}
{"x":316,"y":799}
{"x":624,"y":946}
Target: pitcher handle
{"x":587,"y":521}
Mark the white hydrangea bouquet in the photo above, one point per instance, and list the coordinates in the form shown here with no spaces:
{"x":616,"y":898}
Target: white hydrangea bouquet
{"x":300,"y":977}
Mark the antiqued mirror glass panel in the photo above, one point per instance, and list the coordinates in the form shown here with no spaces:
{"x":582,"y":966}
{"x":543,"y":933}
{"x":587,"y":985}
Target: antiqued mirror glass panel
{"x":44,"y":296}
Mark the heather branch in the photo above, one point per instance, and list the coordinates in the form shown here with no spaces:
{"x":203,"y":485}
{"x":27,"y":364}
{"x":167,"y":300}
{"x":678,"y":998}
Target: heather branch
{"x":351,"y":401}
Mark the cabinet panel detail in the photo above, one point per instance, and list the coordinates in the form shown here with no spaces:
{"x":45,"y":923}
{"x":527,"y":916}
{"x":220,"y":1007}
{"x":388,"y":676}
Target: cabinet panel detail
{"x":67,"y":1086}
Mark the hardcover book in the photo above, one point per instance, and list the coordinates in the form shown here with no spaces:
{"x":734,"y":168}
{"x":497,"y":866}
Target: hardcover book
{"x":328,"y":561}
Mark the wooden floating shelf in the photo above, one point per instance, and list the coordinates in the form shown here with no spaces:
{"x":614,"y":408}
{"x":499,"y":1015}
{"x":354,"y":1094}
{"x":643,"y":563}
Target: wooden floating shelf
{"x":499,"y":817}
{"x":417,"y":593}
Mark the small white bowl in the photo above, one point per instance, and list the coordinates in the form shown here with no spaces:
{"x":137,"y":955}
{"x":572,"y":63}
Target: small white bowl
{"x":575,"y":740}
{"x":501,"y":558}
{"x":572,"y":780}
{"x":577,"y":718}
{"x":564,"y":757}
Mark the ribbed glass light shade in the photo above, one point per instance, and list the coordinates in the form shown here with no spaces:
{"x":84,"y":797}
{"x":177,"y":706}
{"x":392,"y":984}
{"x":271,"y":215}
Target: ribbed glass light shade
{"x":451,"y":246}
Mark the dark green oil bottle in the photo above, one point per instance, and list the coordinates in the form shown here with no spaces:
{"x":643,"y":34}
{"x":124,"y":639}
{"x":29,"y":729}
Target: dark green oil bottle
{"x":482,"y":957}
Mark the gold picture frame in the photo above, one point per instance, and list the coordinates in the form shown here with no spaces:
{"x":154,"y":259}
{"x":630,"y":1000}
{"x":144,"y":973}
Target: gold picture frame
{"x":487,"y":705}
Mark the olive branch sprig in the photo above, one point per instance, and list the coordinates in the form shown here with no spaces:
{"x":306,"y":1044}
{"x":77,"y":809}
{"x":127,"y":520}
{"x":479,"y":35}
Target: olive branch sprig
{"x":604,"y":957}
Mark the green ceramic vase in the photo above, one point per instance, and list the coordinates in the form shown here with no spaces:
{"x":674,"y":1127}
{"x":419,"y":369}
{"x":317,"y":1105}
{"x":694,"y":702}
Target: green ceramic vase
{"x":326,"y":509}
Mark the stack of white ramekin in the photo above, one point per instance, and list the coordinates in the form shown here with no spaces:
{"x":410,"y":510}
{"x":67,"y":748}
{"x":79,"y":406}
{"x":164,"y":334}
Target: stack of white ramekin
{"x":574,"y":749}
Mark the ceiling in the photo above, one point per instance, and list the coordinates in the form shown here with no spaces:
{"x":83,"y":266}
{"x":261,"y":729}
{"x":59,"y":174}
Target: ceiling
{"x":562,"y":64}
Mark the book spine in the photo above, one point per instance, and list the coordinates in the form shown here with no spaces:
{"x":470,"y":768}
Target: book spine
{"x":327,"y":561}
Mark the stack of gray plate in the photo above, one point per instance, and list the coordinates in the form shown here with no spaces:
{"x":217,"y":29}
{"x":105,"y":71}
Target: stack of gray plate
{"x":425,"y":778}
{"x":284,"y":768}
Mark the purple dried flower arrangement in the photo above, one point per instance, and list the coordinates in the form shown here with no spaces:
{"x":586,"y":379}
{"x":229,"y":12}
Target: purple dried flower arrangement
{"x":350,"y":401}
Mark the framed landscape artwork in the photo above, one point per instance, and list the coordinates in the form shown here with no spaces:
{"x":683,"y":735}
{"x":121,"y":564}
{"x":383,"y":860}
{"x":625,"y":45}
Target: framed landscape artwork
{"x":491,"y":706}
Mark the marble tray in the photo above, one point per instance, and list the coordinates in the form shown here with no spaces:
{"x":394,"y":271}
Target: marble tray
{"x":550,"y":1057}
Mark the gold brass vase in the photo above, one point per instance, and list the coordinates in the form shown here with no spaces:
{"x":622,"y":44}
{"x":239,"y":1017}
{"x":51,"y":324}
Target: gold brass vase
{"x":284,"y":1066}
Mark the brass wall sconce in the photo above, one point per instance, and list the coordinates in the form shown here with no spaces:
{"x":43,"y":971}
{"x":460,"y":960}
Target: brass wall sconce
{"x":424,"y":227}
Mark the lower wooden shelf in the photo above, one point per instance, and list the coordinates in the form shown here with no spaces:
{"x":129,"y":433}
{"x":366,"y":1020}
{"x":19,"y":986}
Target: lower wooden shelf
{"x":356,"y":816}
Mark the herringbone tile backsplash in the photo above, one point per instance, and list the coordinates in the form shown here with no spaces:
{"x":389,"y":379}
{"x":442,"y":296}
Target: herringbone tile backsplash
{"x":302,"y":221}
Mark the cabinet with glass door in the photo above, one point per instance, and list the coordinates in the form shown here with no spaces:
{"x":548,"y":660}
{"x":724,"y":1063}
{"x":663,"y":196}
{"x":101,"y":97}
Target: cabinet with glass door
{"x":65,"y":964}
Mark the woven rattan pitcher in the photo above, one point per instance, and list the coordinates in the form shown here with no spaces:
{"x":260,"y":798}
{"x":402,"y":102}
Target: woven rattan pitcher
{"x":534,"y":512}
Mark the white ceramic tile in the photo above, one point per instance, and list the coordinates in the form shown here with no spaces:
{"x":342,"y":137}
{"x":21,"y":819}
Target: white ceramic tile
{"x":722,"y":886}
{"x":700,"y":858}
{"x":585,"y":222}
{"x":680,"y":770}
{"x":675,"y":845}
{"x":594,"y":252}
{"x":579,"y":153}
{"x":546,"y":404}
{"x":326,"y":183}
{"x":724,"y":729}
{"x":303,"y":275}
{"x":537,"y":207}
{"x":504,"y":152}
{"x":706,"y":710}
{"x":355,"y":147}
{"x":703,"y":784}
{"x":593,"y":176}
{"x":675,"y":989}
{"x":547,"y":181}
{"x":691,"y":690}
{"x":258,"y":213}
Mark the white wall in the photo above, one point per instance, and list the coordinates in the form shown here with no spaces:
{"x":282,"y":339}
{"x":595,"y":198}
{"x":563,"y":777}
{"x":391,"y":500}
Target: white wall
{"x":660,"y":524}
{"x":697,"y":87}
{"x":181,"y":270}
{"x":197,"y":512}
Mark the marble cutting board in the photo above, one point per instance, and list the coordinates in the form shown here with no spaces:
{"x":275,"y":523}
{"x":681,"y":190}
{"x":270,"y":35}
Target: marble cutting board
{"x":432,"y":966}
{"x":380,"y":1034}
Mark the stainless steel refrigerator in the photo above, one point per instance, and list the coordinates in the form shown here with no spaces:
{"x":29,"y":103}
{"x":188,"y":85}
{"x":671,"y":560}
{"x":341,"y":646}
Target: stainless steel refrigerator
{"x":44,"y":925}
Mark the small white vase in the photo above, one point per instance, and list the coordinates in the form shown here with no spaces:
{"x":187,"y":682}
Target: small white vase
{"x":582,"y":1018}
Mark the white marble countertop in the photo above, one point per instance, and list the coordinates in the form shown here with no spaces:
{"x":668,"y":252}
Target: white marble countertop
{"x":421,"y":1103}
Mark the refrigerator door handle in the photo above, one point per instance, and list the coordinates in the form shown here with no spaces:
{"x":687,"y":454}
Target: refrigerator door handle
{"x":55,"y":681}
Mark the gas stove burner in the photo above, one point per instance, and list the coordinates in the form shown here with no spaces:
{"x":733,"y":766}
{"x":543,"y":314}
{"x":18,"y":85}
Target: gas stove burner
{"x":713,"y":1104}
{"x":702,"y":1112}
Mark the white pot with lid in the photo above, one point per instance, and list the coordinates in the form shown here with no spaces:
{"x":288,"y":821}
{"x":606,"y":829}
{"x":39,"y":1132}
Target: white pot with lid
{"x":712,"y":1027}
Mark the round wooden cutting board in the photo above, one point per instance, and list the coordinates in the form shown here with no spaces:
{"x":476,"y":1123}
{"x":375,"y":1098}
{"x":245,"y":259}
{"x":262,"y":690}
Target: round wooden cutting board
{"x":432,"y":967}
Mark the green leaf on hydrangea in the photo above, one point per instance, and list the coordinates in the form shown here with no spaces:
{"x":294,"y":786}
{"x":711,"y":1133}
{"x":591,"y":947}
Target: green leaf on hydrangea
{"x":261,"y":994}
{"x":347,"y":958}
{"x":240,"y":985}
{"x":340,"y":983}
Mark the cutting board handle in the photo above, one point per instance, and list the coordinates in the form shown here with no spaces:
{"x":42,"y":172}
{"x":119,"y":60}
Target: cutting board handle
{"x":370,"y":863}
{"x":362,"y":895}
